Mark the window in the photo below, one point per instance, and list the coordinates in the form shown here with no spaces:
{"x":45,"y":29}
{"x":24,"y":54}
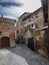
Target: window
{"x":36,"y":25}
{"x":33,"y":26}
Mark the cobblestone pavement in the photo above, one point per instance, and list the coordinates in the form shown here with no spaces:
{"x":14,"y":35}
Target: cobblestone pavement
{"x":20,"y":55}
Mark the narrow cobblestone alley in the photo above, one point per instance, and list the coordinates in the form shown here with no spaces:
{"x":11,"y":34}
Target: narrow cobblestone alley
{"x":20,"y":55}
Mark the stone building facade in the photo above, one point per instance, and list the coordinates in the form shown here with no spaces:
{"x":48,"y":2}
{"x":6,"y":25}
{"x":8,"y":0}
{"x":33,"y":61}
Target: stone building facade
{"x":45,"y":5}
{"x":32,"y":22}
{"x":29,"y":22}
{"x":7,"y":32}
{"x":20,"y":27}
{"x":32,"y":28}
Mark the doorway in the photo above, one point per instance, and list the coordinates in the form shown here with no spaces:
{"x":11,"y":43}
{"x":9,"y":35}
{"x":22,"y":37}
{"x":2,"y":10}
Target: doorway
{"x":31,"y":43}
{"x":5,"y":42}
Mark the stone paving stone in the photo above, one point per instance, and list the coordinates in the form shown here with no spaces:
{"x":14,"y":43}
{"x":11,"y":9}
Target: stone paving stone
{"x":21,"y":55}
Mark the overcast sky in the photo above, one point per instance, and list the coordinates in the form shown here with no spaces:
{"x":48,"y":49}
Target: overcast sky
{"x":15,"y":8}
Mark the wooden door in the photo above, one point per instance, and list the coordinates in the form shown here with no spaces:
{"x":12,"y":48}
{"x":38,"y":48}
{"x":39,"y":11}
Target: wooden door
{"x":5,"y":42}
{"x":31,"y":43}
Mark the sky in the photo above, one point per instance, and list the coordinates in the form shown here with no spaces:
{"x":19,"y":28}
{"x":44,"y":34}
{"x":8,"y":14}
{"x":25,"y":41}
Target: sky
{"x":15,"y":8}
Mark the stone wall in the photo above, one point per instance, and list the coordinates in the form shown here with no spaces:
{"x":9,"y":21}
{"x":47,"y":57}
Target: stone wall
{"x":33,"y":18}
{"x":7,"y":29}
{"x":39,"y":38}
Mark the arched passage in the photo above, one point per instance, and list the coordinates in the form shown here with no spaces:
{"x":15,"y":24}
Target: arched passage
{"x":5,"y":42}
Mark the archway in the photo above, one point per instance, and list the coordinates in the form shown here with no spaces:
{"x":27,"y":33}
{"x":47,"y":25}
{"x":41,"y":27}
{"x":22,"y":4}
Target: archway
{"x":5,"y":42}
